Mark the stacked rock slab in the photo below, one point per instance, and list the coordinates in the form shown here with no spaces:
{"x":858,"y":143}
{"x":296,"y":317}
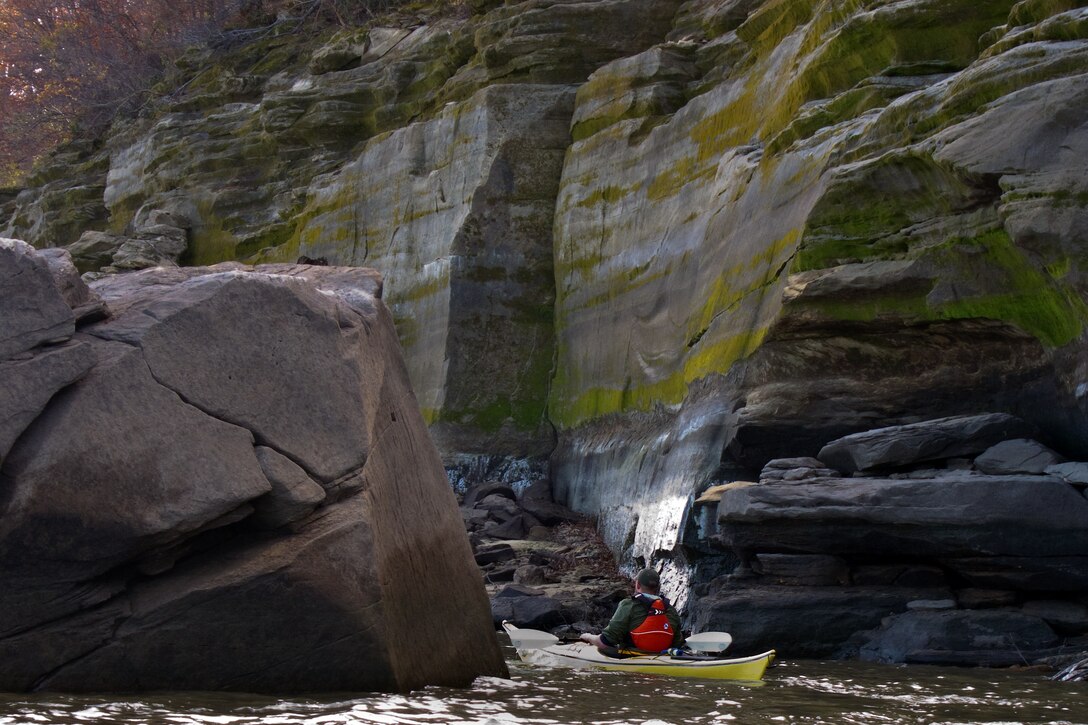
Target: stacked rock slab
{"x":919,"y":557}
{"x":224,"y":485}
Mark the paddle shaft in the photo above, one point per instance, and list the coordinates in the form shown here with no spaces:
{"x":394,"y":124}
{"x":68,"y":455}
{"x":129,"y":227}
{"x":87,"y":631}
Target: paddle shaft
{"x":536,"y":639}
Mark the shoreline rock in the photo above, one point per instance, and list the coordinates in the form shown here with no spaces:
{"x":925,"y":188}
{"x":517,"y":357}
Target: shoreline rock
{"x":562,"y":577}
{"x":949,"y":563}
{"x":226,"y":484}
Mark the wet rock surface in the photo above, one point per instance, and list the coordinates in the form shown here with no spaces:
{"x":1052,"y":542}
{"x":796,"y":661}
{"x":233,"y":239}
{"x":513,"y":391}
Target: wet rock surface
{"x":544,"y":566}
{"x":922,"y":556}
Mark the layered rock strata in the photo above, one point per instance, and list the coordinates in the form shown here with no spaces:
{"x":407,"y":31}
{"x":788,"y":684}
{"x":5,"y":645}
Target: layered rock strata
{"x":924,"y":558}
{"x":225,"y":484}
{"x":432,"y":152}
{"x":690,"y":237}
{"x":830,"y":232}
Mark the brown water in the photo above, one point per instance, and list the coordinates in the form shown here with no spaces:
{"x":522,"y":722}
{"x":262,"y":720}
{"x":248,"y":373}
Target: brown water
{"x":794,"y":692}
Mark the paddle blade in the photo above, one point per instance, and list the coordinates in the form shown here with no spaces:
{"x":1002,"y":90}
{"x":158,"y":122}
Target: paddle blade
{"x":709,"y":641}
{"x":531,"y":638}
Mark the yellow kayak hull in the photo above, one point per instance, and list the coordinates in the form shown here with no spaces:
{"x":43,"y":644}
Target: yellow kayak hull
{"x":580,"y":655}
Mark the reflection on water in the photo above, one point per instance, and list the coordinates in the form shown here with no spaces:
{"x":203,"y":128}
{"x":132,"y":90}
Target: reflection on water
{"x":803,"y":692}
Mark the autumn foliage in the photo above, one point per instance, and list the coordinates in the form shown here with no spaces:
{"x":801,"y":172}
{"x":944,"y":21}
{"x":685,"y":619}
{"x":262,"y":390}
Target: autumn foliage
{"x":69,"y":67}
{"x":73,"y":64}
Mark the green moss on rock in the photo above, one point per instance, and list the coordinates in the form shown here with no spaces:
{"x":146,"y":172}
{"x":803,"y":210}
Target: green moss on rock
{"x":1029,"y":12}
{"x":1033,"y":299}
{"x":982,"y":277}
{"x":861,"y":218}
{"x":708,"y":358}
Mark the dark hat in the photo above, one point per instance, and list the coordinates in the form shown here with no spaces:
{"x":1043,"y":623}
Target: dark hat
{"x":648,"y":578}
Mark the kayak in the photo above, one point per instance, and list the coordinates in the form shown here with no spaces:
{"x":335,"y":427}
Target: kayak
{"x":581,"y":655}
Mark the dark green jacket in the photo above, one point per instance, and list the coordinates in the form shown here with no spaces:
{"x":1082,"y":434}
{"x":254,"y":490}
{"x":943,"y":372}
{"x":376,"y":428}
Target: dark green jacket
{"x":629,"y":614}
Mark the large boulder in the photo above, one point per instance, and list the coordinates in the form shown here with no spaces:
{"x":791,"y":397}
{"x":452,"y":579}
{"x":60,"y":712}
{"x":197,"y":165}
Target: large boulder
{"x":931,"y":440}
{"x":27,"y":385}
{"x":957,"y":515}
{"x":40,"y":299}
{"x":239,"y":493}
{"x":1019,"y":455}
{"x":34,"y":310}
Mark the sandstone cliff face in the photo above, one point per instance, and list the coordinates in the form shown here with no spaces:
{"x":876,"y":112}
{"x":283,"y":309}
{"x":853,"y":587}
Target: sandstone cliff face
{"x":666,"y":241}
{"x":197,"y":497}
{"x":432,"y":153}
{"x":830,"y":236}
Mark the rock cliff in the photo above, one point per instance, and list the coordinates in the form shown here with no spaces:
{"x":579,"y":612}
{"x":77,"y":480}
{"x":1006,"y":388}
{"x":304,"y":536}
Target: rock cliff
{"x":657,"y":244}
{"x":195,"y":496}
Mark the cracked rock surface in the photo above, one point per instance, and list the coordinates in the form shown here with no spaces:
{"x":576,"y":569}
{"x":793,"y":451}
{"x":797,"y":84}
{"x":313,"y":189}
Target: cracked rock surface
{"x":225,"y":484}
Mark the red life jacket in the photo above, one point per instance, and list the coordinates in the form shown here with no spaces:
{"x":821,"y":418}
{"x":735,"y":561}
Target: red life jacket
{"x":655,"y":633}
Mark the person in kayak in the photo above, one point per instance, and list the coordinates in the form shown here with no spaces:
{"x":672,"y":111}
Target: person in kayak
{"x":645,"y":621}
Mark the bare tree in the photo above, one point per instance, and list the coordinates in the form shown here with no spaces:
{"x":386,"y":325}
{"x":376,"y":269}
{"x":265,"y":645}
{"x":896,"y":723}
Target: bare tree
{"x":68,"y":65}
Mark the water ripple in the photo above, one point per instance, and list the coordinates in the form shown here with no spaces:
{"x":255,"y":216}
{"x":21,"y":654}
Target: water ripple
{"x":808,"y":693}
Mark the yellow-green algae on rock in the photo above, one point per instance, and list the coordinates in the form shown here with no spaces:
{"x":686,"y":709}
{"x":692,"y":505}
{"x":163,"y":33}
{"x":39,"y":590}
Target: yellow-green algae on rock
{"x":628,"y":257}
{"x":784,"y":256}
{"x":456,"y":212}
{"x":731,"y":225}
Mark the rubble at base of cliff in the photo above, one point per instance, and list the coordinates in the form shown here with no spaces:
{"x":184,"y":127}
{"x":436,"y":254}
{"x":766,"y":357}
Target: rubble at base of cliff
{"x":544,"y":566}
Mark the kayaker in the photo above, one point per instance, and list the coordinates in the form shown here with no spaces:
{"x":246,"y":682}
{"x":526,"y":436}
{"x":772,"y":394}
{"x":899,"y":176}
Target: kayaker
{"x":645,"y":621}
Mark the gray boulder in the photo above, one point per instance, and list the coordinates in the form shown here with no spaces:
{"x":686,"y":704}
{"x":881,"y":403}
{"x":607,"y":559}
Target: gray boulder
{"x":495,"y":554}
{"x":41,"y":293}
{"x":498,"y":506}
{"x":478,"y":494}
{"x":514,"y":528}
{"x":959,"y":515}
{"x":932,"y":440}
{"x":1071,"y":472}
{"x":34,"y":310}
{"x":156,"y":525}
{"x":518,"y":590}
{"x":257,"y":354}
{"x":530,"y":574}
{"x":27,"y":386}
{"x":157,"y":238}
{"x":795,"y":469}
{"x":1020,"y":455}
{"x":995,"y":637}
{"x":135,"y":253}
{"x":800,"y":621}
{"x":85,"y":304}
{"x":94,"y":250}
{"x":115,"y":455}
{"x":528,"y":612}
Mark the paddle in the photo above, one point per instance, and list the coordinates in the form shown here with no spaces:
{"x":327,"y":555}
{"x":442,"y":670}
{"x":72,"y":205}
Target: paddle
{"x":532,"y":639}
{"x":702,"y":642}
{"x":709,"y":641}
